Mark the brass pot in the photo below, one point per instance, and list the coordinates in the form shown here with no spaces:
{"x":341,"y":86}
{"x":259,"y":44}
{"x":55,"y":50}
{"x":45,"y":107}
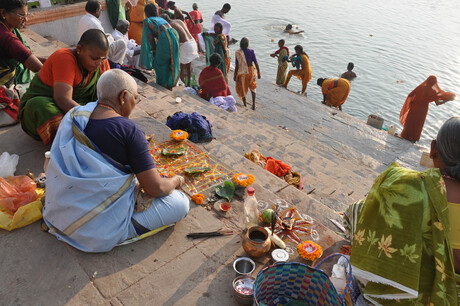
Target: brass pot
{"x":256,"y":242}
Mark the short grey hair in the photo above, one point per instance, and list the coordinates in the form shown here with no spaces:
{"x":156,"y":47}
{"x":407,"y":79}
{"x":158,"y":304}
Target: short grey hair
{"x":448,"y":145}
{"x":122,"y":23}
{"x":112,"y":83}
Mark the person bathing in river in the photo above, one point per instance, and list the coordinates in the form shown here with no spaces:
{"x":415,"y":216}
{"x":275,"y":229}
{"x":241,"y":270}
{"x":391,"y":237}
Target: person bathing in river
{"x":335,"y":91}
{"x":349,"y":74}
{"x":283,"y":56}
{"x":289,"y":29}
{"x":415,"y":109}
{"x":301,"y":62}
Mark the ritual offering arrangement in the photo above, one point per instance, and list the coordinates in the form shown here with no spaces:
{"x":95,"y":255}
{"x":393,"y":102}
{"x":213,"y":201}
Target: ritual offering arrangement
{"x":179,"y":135}
{"x":173,"y":151}
{"x":309,"y":250}
{"x":194,"y":170}
{"x":199,"y":170}
{"x":243,"y":180}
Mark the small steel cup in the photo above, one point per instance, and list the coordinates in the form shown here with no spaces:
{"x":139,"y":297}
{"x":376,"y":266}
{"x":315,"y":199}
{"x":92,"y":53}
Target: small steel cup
{"x":244,"y":266}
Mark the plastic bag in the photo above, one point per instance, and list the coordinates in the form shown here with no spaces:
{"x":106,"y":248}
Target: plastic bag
{"x":25,"y":215}
{"x":16,"y":191}
{"x":8,"y":164}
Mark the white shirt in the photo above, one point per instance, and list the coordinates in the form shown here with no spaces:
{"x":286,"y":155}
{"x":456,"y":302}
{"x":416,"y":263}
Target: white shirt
{"x":226,"y":26}
{"x":130,"y":43}
{"x":88,"y":22}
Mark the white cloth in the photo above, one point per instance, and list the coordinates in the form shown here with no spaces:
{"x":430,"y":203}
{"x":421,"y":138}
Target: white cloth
{"x":117,"y":49}
{"x":188,"y":51}
{"x":131,"y":46}
{"x":226,"y":103}
{"x":226,"y":26}
{"x":88,"y":22}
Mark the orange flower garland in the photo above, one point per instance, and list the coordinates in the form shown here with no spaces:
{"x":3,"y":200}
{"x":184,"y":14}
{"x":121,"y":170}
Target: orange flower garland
{"x":198,"y":198}
{"x":179,"y":135}
{"x":309,"y":250}
{"x":243,"y":180}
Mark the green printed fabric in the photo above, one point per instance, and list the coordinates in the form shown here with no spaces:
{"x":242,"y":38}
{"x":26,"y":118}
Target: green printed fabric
{"x":401,"y":243}
{"x":115,"y":11}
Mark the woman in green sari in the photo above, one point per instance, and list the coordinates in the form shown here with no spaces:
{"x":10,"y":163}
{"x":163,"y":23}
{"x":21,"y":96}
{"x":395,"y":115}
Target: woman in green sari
{"x":68,"y":78}
{"x":14,"y":54}
{"x":220,"y":46}
{"x":406,"y":234}
{"x":160,"y":48}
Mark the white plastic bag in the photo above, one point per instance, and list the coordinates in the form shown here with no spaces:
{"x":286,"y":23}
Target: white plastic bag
{"x":8,"y":164}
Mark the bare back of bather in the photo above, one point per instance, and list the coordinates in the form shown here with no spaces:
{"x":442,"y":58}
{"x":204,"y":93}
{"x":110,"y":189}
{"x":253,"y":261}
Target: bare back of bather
{"x":181,"y":28}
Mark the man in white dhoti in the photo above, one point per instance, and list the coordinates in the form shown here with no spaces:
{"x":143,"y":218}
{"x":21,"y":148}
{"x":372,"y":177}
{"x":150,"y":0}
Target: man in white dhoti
{"x":188,"y":49}
{"x":132,"y":49}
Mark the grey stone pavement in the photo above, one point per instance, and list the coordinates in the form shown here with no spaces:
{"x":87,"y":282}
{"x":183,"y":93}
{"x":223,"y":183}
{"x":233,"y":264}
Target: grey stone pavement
{"x":338,"y":155}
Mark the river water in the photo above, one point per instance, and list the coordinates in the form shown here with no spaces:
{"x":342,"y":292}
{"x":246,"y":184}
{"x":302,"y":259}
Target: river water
{"x":395,"y":45}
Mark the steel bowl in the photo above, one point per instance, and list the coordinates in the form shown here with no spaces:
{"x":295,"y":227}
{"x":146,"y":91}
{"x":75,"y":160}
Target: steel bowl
{"x":244,"y":266}
{"x":243,"y":287}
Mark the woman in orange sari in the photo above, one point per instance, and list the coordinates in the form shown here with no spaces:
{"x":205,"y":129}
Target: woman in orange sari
{"x":137,"y":16}
{"x":415,"y":109}
{"x":303,"y":69}
{"x":335,"y":91}
{"x":245,"y":74}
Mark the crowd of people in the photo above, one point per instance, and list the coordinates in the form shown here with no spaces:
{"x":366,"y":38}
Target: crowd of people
{"x":101,"y":170}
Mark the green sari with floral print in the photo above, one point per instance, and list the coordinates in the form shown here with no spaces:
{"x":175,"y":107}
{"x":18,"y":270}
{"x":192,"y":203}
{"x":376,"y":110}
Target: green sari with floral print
{"x":401,"y":243}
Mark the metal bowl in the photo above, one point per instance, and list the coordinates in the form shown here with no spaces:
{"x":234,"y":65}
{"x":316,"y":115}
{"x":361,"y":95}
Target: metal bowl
{"x":244,"y":266}
{"x":243,"y":287}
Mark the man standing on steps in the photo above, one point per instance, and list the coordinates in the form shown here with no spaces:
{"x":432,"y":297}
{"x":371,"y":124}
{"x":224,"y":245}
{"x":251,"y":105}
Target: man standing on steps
{"x":188,"y":50}
{"x":117,"y":49}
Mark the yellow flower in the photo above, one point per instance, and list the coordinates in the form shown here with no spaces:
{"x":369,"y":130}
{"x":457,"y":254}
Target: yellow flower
{"x":243,"y":180}
{"x":309,"y":250}
{"x":179,"y":135}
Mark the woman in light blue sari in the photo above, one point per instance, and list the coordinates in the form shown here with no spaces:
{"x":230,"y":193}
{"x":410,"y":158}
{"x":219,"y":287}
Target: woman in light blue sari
{"x":101,"y":171}
{"x":160,"y":48}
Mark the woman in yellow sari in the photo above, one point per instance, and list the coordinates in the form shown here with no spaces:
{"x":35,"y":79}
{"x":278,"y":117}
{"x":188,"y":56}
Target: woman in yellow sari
{"x":245,"y":74}
{"x":335,"y":91}
{"x":303,"y":69}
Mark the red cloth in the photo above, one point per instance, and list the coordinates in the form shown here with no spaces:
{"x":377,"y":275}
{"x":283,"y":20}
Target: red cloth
{"x":12,"y":105}
{"x":212,"y":83}
{"x":11,"y":46}
{"x":194,"y":28}
{"x":415,"y":109}
{"x":277,"y":167}
{"x":283,"y":47}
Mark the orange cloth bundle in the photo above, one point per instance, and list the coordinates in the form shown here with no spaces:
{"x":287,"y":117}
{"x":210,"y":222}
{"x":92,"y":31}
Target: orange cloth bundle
{"x":277,"y":167}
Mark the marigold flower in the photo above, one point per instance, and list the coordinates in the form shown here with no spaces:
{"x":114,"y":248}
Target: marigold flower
{"x":243,"y":180}
{"x":179,"y":135}
{"x":309,"y":250}
{"x":198,"y":198}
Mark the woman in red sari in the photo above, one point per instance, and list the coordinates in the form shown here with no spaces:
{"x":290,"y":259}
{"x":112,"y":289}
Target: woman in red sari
{"x":415,"y":109}
{"x":212,"y":81}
